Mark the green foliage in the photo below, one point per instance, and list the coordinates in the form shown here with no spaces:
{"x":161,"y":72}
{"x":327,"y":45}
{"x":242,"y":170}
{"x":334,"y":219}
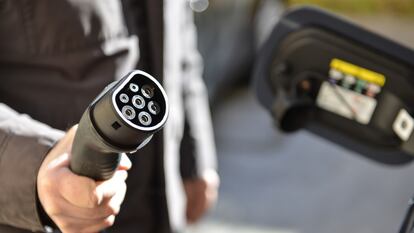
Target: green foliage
{"x":398,"y":7}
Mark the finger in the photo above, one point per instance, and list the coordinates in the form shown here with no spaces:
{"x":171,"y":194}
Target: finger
{"x":111,"y":193}
{"x":88,"y":214}
{"x":107,"y":189}
{"x":116,"y":201}
{"x":113,"y":204}
{"x":86,"y":193}
{"x":125,"y":163}
{"x":72,"y":224}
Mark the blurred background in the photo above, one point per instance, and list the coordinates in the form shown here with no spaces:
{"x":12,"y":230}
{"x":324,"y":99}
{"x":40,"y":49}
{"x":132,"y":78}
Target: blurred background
{"x":298,"y":183}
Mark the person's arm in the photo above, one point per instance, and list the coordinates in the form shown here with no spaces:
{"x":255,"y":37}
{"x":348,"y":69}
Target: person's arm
{"x":24,"y":143}
{"x":198,"y":154}
{"x":35,"y":176}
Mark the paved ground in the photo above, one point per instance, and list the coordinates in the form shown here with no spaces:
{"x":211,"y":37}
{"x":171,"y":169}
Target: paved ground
{"x":300,"y":183}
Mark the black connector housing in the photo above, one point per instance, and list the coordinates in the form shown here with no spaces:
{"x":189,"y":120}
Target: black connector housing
{"x":122,"y":119}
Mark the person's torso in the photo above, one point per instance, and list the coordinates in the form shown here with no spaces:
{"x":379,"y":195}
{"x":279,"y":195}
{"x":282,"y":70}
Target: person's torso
{"x":56,"y":56}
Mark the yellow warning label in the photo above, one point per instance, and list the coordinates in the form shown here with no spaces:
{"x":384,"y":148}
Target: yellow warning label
{"x":358,"y":72}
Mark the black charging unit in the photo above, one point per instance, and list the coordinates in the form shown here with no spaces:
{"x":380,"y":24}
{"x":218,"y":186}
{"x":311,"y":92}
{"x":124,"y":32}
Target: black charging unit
{"x":322,"y":73}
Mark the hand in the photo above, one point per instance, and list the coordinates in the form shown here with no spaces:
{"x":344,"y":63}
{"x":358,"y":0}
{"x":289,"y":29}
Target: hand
{"x":201,"y":194}
{"x":75,"y":203}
